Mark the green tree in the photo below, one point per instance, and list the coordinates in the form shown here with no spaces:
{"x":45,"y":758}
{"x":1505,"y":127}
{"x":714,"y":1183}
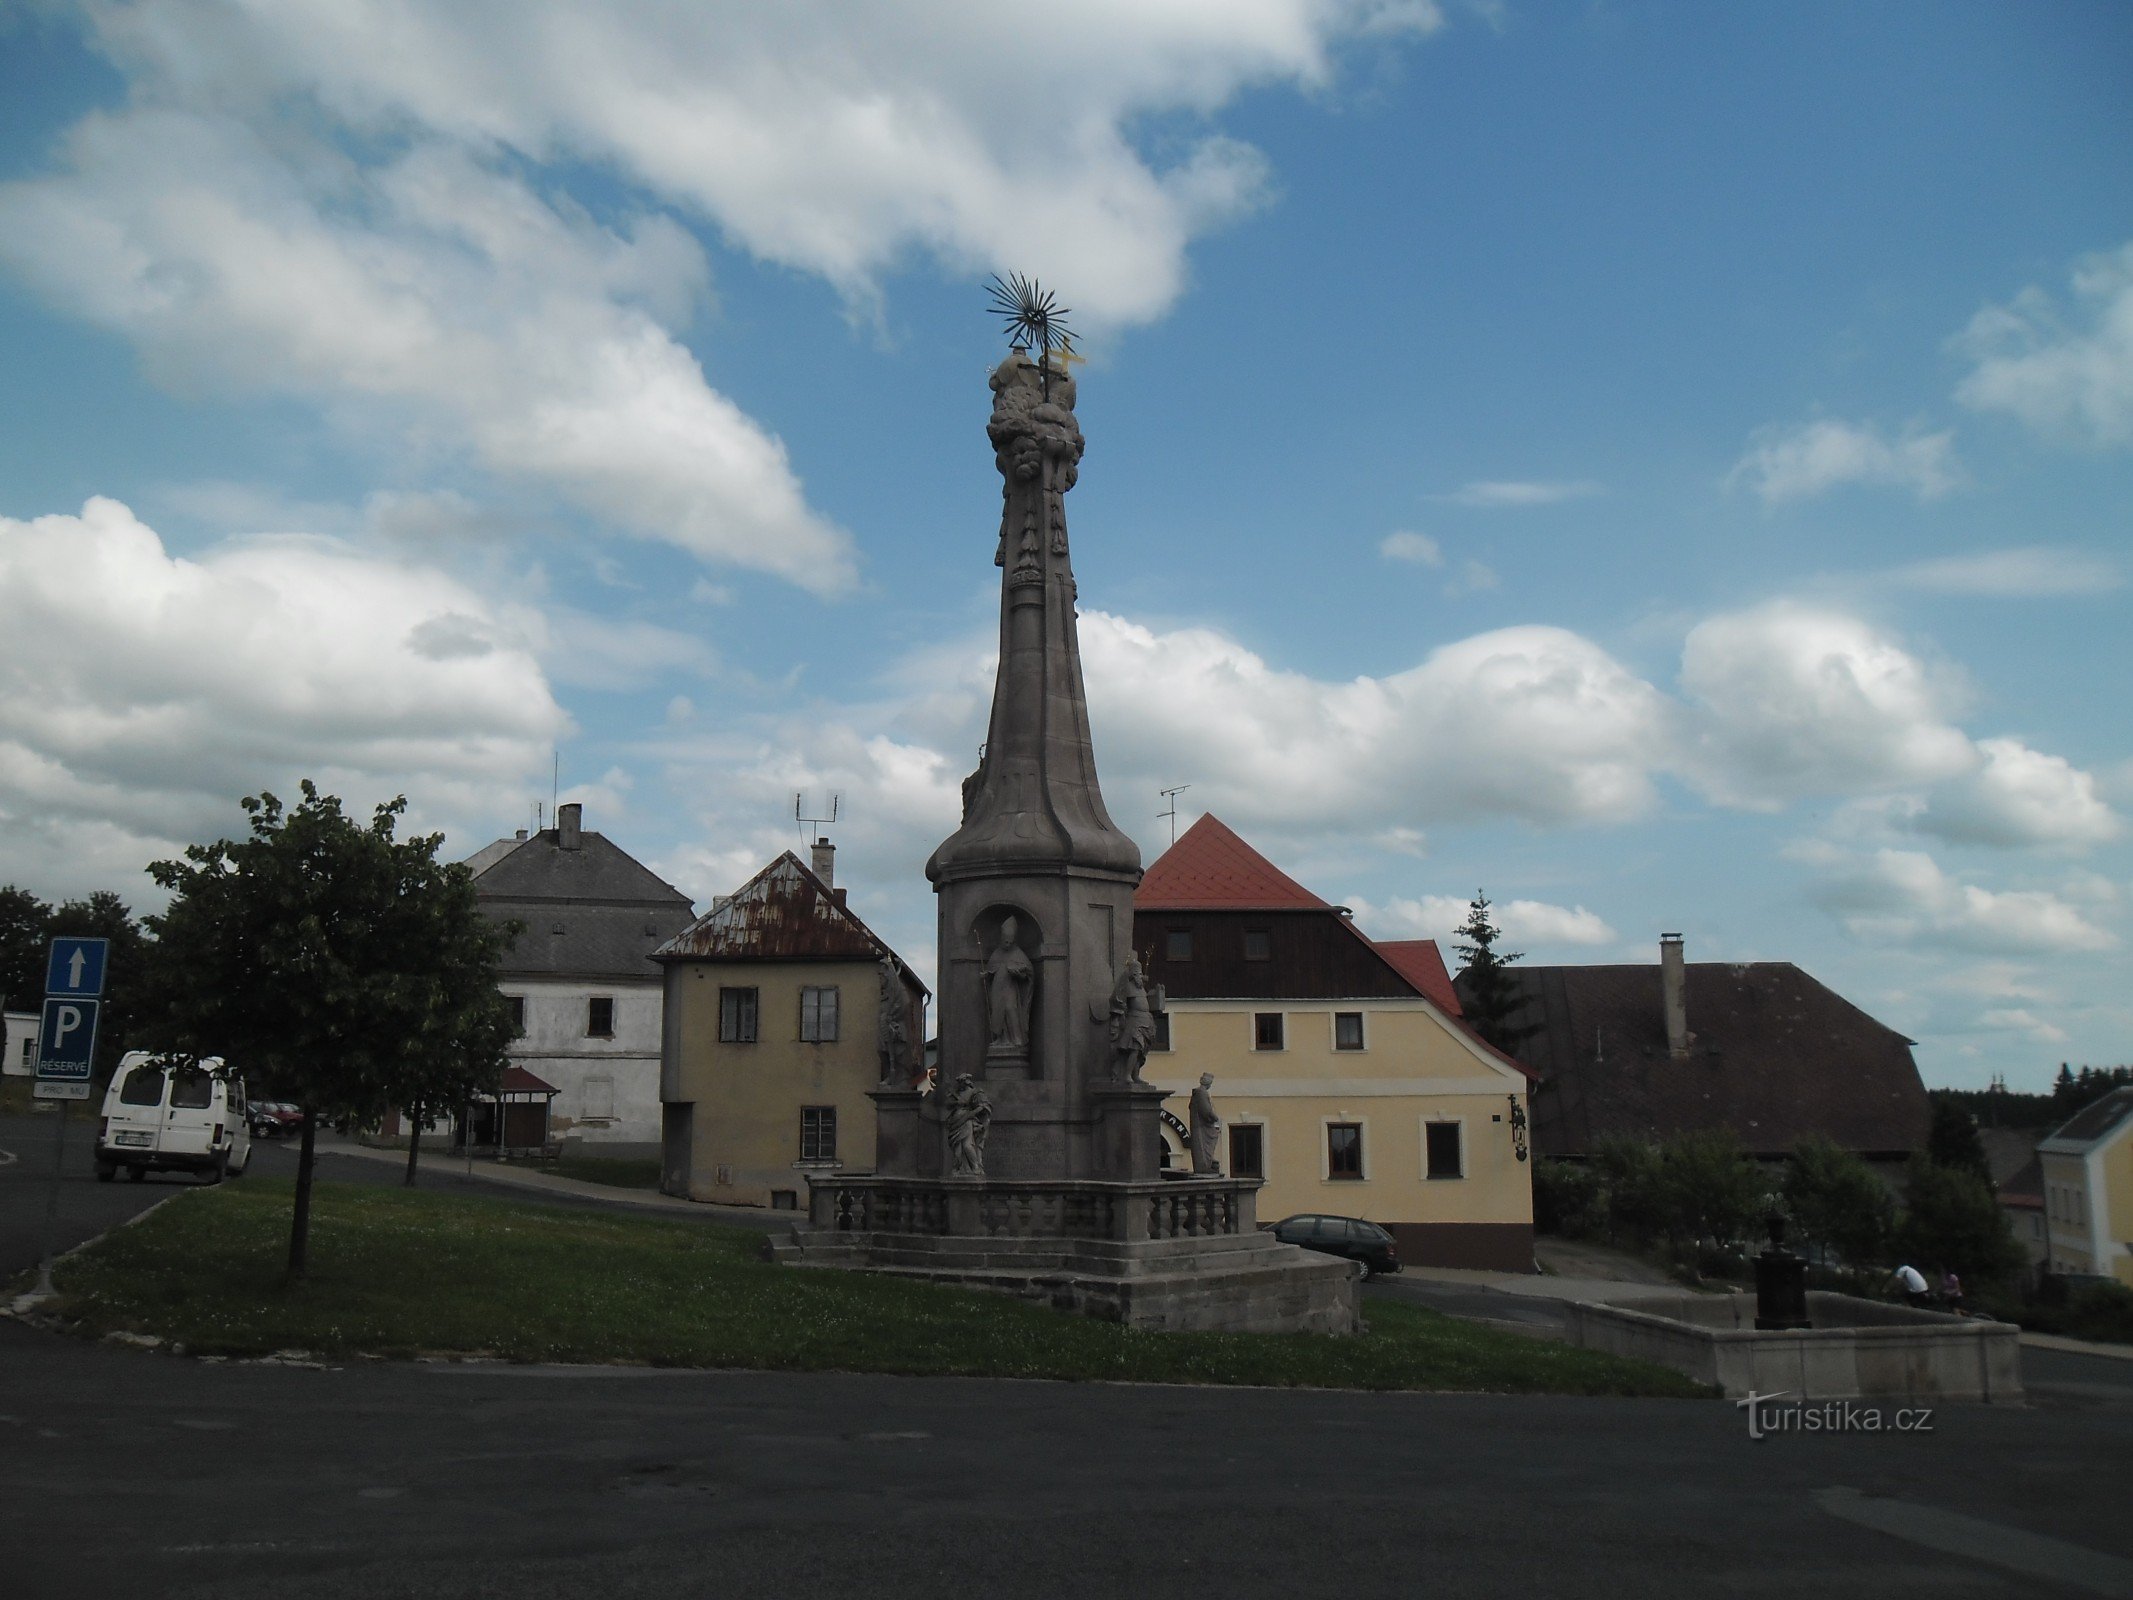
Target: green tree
{"x":1952,"y":1220}
{"x":1952,"y":1140}
{"x":1712,"y":1189}
{"x":1568,"y":1199}
{"x":1838,"y":1204}
{"x":1488,"y":996}
{"x":330,"y":963}
{"x":1633,"y":1194}
{"x":25,"y":927}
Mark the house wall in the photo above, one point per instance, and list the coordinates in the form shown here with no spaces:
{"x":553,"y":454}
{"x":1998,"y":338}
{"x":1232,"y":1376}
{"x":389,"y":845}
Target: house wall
{"x":1414,"y":1068}
{"x":734,"y":1109}
{"x":2068,"y":1212}
{"x":20,"y":1059}
{"x":609,"y":1086}
{"x":2114,"y":1164}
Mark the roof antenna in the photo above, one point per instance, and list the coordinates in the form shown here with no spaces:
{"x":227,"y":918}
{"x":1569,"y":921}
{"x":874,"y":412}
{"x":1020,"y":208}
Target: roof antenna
{"x":804,"y":823}
{"x":1172,"y":796}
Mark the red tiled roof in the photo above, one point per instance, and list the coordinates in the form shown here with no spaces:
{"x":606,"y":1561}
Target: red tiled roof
{"x":517,"y":1080}
{"x":1422,"y":964}
{"x":1211,"y":869}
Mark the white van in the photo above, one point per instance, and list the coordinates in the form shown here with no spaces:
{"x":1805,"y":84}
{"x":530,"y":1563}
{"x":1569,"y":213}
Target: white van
{"x":171,"y":1114}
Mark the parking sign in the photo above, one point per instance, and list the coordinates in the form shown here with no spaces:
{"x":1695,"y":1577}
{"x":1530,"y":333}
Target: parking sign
{"x":67,"y":1040}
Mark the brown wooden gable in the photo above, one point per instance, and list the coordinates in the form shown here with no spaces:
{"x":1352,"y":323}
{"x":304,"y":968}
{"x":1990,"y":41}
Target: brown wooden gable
{"x":1313,"y":955}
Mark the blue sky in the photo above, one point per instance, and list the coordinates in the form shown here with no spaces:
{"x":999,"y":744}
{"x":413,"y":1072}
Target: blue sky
{"x":1666,"y":464}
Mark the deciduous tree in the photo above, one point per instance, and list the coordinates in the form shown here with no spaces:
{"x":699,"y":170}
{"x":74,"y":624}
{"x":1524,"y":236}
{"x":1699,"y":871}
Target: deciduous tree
{"x":331,"y":964}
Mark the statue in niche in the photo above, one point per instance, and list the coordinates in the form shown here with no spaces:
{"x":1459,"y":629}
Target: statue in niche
{"x":1206,"y":1130}
{"x":1132,"y":1021}
{"x":1008,"y":977}
{"x":969,"y":1120}
{"x":895,"y":1021}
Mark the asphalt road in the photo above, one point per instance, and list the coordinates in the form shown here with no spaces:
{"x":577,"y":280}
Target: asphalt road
{"x":138,"y":1473}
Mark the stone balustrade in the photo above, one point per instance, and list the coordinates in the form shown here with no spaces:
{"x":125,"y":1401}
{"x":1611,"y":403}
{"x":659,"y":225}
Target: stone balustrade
{"x":1022,"y":1208}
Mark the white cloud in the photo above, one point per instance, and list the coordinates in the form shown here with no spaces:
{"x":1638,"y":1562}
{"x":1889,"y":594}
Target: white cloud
{"x":1474,"y":576}
{"x":1523,"y":922}
{"x":836,"y":139}
{"x":1418,"y":548}
{"x":2019,"y":797}
{"x":1798,"y":463}
{"x":2067,"y":376}
{"x":142,"y":693}
{"x":1796,"y":700}
{"x":1905,"y":897}
{"x":430,"y":296}
{"x":1498,"y":495}
{"x":2019,"y":1020}
{"x":2035,"y":572}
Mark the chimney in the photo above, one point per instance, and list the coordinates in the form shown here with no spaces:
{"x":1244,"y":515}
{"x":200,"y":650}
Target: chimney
{"x":825,"y":863}
{"x":1673,"y":985}
{"x":568,"y":820}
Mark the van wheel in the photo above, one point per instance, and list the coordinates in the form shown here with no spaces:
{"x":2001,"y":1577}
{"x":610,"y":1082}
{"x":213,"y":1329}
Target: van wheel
{"x":106,"y":1171}
{"x":220,"y":1170}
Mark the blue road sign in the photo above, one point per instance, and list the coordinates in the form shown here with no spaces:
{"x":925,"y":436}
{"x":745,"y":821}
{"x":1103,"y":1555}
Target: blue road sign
{"x":76,"y":967}
{"x":67,"y":1040}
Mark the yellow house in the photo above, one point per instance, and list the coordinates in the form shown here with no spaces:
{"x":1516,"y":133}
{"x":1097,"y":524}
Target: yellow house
{"x":1343,"y":1074}
{"x":2088,"y":1190}
{"x":783,"y":1011}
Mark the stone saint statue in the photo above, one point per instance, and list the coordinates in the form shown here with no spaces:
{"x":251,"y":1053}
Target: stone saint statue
{"x":1206,"y":1131}
{"x":969,"y":1120}
{"x":1008,"y":975}
{"x":895,"y":1024}
{"x":1132,"y":1021}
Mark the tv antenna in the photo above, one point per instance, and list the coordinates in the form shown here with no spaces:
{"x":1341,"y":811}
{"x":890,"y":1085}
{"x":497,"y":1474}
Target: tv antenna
{"x":805,"y":823}
{"x":1172,"y":796}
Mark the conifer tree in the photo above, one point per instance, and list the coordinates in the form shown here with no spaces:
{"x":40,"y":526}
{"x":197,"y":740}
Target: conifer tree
{"x":1487,"y":995}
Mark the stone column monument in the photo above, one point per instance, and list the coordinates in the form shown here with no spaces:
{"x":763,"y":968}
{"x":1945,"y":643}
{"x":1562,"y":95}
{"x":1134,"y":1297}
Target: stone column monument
{"x":1033,"y":1163}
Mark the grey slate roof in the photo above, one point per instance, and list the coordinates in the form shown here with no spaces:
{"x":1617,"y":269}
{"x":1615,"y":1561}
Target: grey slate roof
{"x":1776,"y":1058}
{"x":592,"y":912}
{"x":2092,"y":1122}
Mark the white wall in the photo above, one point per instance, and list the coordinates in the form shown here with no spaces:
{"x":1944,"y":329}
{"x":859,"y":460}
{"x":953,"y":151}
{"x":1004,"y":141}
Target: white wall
{"x":610,"y":1086}
{"x":21,"y":1032}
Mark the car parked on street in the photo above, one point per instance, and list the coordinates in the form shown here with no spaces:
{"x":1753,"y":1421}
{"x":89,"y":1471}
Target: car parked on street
{"x":1348,"y":1237}
{"x":275,"y":1119}
{"x":173,"y":1114}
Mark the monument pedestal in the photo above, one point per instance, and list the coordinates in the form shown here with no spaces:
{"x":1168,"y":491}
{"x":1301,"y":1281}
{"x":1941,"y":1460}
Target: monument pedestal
{"x":1167,"y":1253}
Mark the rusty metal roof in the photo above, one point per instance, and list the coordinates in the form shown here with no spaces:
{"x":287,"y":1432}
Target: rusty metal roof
{"x":783,"y":913}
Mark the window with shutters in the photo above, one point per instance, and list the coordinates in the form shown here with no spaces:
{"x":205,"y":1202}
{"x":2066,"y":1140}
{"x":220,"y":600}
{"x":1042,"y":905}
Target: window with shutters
{"x":818,"y":1016}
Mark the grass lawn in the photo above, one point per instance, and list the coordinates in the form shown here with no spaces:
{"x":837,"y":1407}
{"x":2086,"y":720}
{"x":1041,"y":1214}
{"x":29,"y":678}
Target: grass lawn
{"x":616,"y":1172}
{"x":397,"y":1273}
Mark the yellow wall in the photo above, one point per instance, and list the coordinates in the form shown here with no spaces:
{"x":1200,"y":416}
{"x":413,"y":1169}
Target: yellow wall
{"x":2067,"y":1229}
{"x":748,"y":1096}
{"x":1414,"y":1066}
{"x":2118,"y":1209}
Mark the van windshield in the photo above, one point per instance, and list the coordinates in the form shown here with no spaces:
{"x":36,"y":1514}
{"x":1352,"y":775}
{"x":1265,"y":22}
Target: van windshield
{"x":144,"y":1087}
{"x":192,"y":1089}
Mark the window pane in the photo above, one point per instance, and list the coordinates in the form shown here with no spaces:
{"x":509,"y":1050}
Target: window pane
{"x":1177,"y":944}
{"x":1266,"y":1030}
{"x":1258,"y":944}
{"x":818,"y":1133}
{"x":1344,"y":1149}
{"x":517,"y":1003}
{"x":1161,"y":1040}
{"x":1347,"y":1030}
{"x":600,"y":1016}
{"x":818,"y":1015}
{"x":144,"y":1087}
{"x":192,"y":1089}
{"x":736,"y":1016}
{"x":1247,"y":1150}
{"x":1444,"y":1150}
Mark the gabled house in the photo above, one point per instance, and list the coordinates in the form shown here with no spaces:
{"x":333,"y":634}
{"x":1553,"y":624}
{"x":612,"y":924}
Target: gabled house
{"x":1343,"y":1073}
{"x":1758,"y":1048}
{"x":2087,"y":1175}
{"x":783,"y":1011}
{"x":584,"y":990}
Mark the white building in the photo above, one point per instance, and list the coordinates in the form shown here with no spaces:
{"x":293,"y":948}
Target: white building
{"x":20,"y":1058}
{"x":586,"y":994}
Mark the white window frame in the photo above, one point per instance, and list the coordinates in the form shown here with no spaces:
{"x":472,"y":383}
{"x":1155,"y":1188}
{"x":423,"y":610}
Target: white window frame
{"x":1326,"y":1125}
{"x":1266,"y":1144}
{"x":815,"y":992}
{"x":1466,"y":1155}
{"x":1333,"y":1024}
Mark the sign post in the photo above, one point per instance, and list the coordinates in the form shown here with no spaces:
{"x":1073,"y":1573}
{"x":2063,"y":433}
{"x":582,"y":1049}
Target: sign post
{"x":66,"y":1050}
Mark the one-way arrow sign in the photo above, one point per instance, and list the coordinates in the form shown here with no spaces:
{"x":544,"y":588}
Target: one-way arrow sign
{"x":76,"y":967}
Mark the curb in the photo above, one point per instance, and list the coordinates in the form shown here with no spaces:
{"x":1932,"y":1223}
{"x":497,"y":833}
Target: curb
{"x":25,"y":1305}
